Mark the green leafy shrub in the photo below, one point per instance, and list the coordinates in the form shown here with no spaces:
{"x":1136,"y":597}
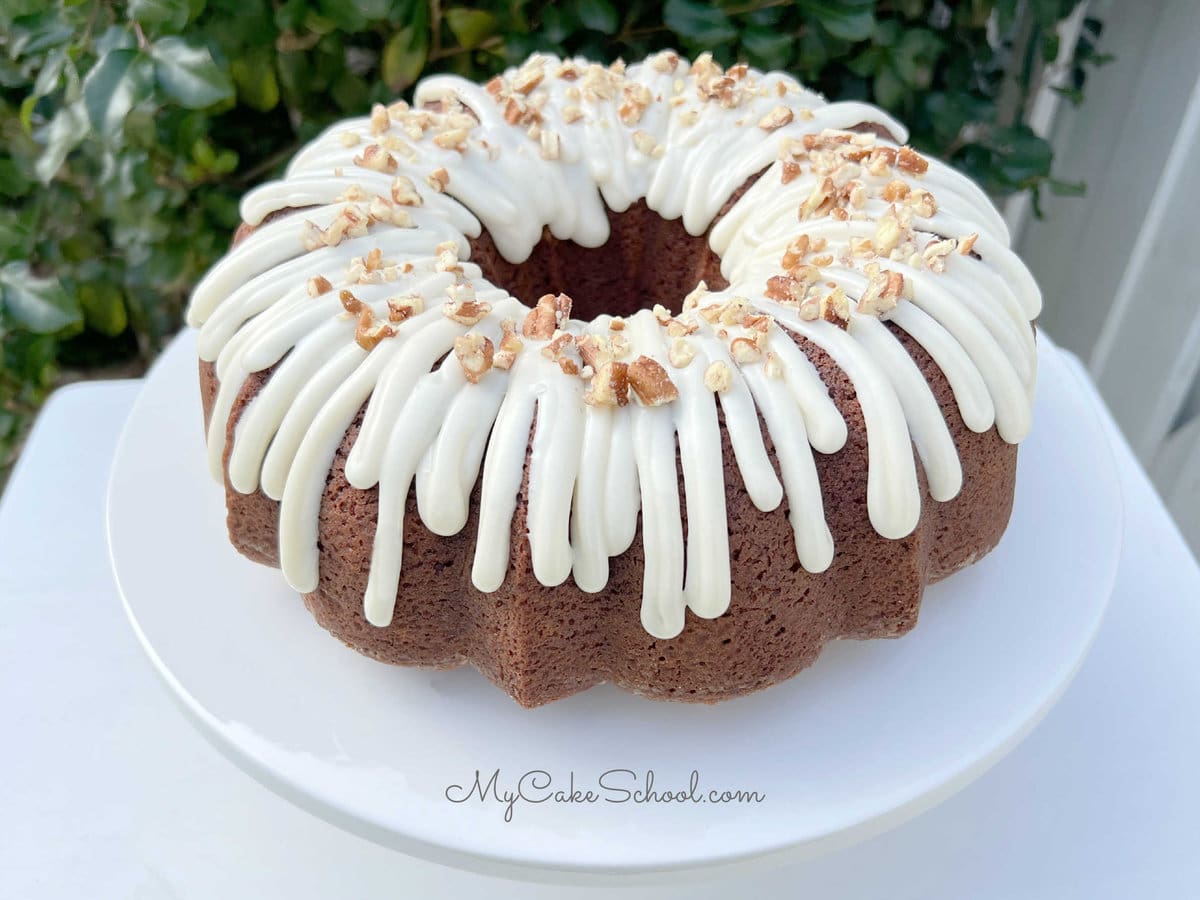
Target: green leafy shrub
{"x":131,"y":129}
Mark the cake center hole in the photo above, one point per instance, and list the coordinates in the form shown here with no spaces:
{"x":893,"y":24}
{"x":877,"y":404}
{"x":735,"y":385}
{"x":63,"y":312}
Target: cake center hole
{"x":646,"y":260}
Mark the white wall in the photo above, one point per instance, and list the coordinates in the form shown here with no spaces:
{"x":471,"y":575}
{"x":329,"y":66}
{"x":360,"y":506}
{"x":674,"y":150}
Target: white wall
{"x":1120,"y":268}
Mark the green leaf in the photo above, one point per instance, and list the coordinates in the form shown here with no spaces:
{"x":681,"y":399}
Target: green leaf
{"x":10,"y":424}
{"x":115,"y":85}
{"x":289,"y":16}
{"x":188,"y":73}
{"x":470,"y":26}
{"x":404,"y":57}
{"x":103,"y":308}
{"x":850,"y":20}
{"x":173,"y":14}
{"x":257,"y":86}
{"x":947,"y":114}
{"x":812,"y":53}
{"x":869,"y":61}
{"x":1050,"y":44}
{"x":915,"y":56}
{"x":30,"y":357}
{"x":25,"y":116}
{"x":48,"y":79}
{"x":374,"y":10}
{"x":39,"y":305}
{"x":50,"y":75}
{"x":13,"y":180}
{"x":1073,"y":94}
{"x":1006,"y":13}
{"x":317,"y":23}
{"x":350,"y":92}
{"x":598,"y":15}
{"x":115,"y":37}
{"x":554,"y":28}
{"x":64,"y":133}
{"x":1024,"y":155}
{"x":889,"y":89}
{"x":768,"y":48}
{"x":343,"y":16}
{"x":28,"y":35}
{"x":698,"y":23}
{"x":1067,"y":188}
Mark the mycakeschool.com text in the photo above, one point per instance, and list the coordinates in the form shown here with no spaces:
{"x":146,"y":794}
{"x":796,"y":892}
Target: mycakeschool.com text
{"x":613,"y":786}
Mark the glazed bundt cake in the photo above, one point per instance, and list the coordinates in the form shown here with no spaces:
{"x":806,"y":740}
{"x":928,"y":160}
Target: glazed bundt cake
{"x":660,"y":375}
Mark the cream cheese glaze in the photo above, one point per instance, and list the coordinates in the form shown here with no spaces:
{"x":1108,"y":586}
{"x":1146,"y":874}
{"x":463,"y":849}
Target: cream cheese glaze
{"x":359,"y":299}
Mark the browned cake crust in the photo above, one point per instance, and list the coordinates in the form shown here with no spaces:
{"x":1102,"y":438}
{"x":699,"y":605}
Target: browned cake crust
{"x":543,"y":643}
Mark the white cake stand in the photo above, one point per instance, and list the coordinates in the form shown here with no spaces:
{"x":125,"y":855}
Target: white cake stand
{"x":872,"y":734}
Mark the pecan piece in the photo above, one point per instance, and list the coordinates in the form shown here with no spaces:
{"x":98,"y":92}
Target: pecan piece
{"x":475,"y":354}
{"x":651,"y":383}
{"x":549,"y":315}
{"x":610,"y":385}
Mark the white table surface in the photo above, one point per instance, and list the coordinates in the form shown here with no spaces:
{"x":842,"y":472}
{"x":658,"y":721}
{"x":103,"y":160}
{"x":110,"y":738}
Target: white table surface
{"x":106,"y":790}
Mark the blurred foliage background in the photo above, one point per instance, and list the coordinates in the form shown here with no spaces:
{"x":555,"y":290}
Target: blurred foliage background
{"x":131,"y":129}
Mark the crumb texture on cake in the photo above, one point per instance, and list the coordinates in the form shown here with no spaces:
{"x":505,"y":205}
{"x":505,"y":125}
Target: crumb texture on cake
{"x":663,"y":375}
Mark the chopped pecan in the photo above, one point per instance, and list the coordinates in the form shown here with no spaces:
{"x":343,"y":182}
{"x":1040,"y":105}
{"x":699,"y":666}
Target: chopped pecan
{"x":745,"y":350}
{"x":820,"y":200}
{"x":935,"y":254}
{"x":718,"y":378}
{"x":610,"y":385}
{"x":527,"y":79}
{"x":911,"y":161}
{"x":452,"y":139}
{"x":651,"y":383}
{"x":376,"y":158}
{"x":404,"y":192}
{"x":783,"y":289}
{"x":475,"y":353}
{"x":835,"y":308}
{"x":439,"y":179}
{"x":644,"y":141}
{"x":595,"y":350}
{"x":318,"y":285}
{"x":883,"y":292}
{"x":462,"y":306}
{"x":379,"y":119}
{"x":776,"y":118}
{"x":795,"y":252}
{"x":551,"y":313}
{"x":369,"y":333}
{"x":681,"y":353}
{"x":922,"y":203}
{"x":895,"y":190}
{"x":402,"y":308}
{"x":510,"y":345}
{"x":381,"y":209}
{"x":888,"y":233}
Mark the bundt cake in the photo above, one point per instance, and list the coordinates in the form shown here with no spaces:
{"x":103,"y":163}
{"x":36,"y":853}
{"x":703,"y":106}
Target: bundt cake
{"x":660,"y":375}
